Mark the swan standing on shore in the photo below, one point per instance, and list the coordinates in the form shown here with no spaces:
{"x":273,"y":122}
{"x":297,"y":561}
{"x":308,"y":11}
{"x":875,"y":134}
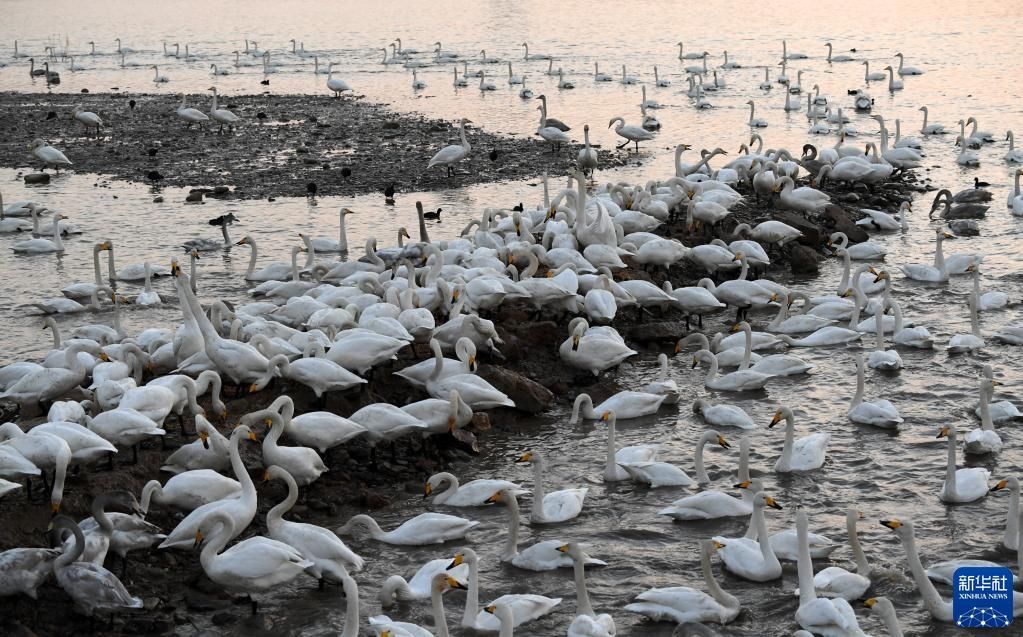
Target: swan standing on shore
{"x":222,"y":115}
{"x":451,"y":155}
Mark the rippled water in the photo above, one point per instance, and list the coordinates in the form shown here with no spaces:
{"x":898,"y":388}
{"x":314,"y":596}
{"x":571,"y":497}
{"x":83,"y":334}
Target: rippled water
{"x":968,"y":53}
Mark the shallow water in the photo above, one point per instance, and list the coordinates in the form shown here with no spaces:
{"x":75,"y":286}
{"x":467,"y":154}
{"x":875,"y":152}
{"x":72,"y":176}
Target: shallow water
{"x":968,"y":61}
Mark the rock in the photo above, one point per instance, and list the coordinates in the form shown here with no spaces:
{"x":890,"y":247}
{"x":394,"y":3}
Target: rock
{"x":194,"y":196}
{"x":654,"y":332}
{"x":223,"y":618}
{"x":481,"y":422}
{"x":158,"y":199}
{"x":529,"y":396}
{"x":803,"y":260}
{"x":841,"y":221}
{"x":848,"y":197}
{"x":391,"y":126}
{"x":196,"y":600}
{"x":221,"y":190}
{"x":37,"y":178}
{"x":811,"y":232}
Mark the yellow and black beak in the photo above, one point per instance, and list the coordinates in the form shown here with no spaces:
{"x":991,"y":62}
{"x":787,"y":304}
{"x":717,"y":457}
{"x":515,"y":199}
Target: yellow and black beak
{"x":526,"y":457}
{"x":870,"y":602}
{"x":743,"y":485}
{"x":205,"y":439}
{"x":723,"y":442}
{"x":455,"y":584}
{"x":771,"y":502}
{"x":457,"y":561}
{"x":998,"y":487}
{"x":198,"y":539}
{"x":943,"y":433}
{"x":891,"y":524}
{"x":427,"y":490}
{"x":494,"y":499}
{"x":775,"y":420}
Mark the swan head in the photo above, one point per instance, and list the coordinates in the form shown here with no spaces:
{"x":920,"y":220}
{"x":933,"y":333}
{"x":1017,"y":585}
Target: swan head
{"x":720,"y":440}
{"x":948,"y":431}
{"x":782,"y":413}
{"x":526,"y":457}
{"x":497,"y":497}
{"x":1008,"y":483}
{"x":894,"y":524}
{"x":765,"y":500}
{"x":464,"y":556}
{"x":204,"y":437}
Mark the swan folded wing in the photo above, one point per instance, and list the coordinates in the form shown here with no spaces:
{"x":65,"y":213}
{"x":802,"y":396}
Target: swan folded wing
{"x":94,"y":587}
{"x":259,"y":558}
{"x":545,"y":556}
{"x":706,"y":505}
{"x":524,"y":607}
{"x":657,"y":474}
{"x":678,"y":603}
{"x":825,"y":614}
{"x":808,"y":452}
{"x":563,"y":505}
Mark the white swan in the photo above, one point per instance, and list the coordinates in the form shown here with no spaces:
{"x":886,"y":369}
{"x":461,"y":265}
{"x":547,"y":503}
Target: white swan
{"x":749,"y":559}
{"x":541,"y":556}
{"x":881,"y":358}
{"x":586,"y":623}
{"x":806,"y":453}
{"x":879,"y":413}
{"x":476,"y":392}
{"x":984,"y":439}
{"x":335,"y":84}
{"x":450,"y":492}
{"x":554,"y":507}
{"x":625,"y":405}
{"x":210,"y":451}
{"x":907,"y":70}
{"x":818,"y":614}
{"x":222,"y":116}
{"x":48,"y":155}
{"x":190,"y":115}
{"x":189,"y":490}
{"x":330,"y":557}
{"x":968,"y":343}
{"x":425,"y":528}
{"x":451,"y":155}
{"x":24,"y":570}
{"x":520,"y":608}
{"x":254,"y":565}
{"x":962,"y":485}
{"x":835,"y":581}
{"x":658,"y":474}
{"x":46,"y":451}
{"x":939,"y":609}
{"x":241,"y":510}
{"x":42,"y":246}
{"x":741,"y":380}
{"x":631,"y":134}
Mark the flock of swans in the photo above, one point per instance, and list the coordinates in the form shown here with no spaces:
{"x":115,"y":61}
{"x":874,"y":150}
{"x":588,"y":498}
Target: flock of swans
{"x":328,"y":327}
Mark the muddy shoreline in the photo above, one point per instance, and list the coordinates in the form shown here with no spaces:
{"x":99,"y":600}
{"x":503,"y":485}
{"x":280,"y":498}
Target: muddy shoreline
{"x":171,"y":583}
{"x":284,"y":143}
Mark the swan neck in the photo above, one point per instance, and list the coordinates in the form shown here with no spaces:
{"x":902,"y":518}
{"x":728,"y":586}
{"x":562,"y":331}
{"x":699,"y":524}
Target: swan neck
{"x":858,"y":396}
{"x":932,"y":599}
{"x":275,"y":516}
{"x":701,"y":471}
{"x":748,"y":351}
{"x":790,"y":434}
{"x":583,"y":606}
{"x":862,"y":567}
{"x":950,"y":469}
{"x":807,"y":593}
{"x":472,"y":597}
{"x":440,"y":623}
{"x":536,"y":512}
{"x":511,"y":544}
{"x":610,"y":467}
